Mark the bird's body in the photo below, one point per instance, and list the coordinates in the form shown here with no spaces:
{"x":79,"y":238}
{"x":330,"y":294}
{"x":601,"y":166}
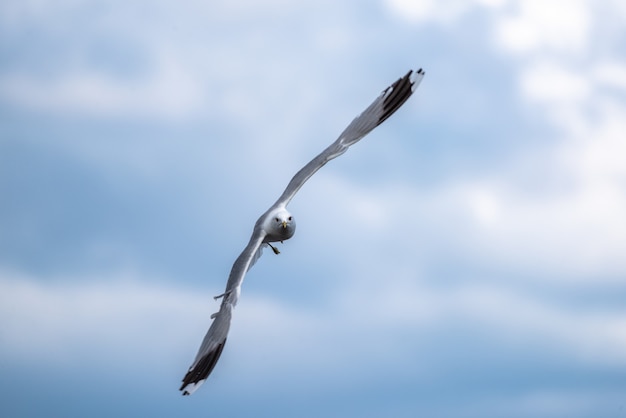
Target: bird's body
{"x":277,"y":224}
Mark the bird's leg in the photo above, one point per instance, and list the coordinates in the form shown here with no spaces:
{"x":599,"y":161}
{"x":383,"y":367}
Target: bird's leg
{"x":273,"y":248}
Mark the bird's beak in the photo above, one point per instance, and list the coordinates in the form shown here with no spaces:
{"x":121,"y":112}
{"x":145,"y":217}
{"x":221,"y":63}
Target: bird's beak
{"x":285,"y":224}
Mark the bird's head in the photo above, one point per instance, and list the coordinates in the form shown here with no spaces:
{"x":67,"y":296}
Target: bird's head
{"x":282,"y":224}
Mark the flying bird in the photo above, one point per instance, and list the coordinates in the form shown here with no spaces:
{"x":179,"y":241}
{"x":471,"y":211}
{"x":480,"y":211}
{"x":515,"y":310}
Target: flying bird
{"x":277,"y":224}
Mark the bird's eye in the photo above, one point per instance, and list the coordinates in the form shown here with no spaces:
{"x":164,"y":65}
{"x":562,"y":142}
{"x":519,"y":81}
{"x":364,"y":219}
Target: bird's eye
{"x":290,"y":218}
{"x":277,"y":220}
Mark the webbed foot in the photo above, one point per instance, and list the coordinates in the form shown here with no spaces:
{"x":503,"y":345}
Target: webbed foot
{"x":274,"y":249}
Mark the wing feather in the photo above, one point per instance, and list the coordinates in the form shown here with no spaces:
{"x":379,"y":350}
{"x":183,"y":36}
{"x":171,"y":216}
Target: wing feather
{"x":215,"y":338}
{"x":385,"y":105}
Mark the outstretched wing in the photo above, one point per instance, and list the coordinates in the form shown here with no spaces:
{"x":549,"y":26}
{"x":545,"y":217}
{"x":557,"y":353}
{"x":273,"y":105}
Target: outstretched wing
{"x":215,"y":338}
{"x":385,"y":105}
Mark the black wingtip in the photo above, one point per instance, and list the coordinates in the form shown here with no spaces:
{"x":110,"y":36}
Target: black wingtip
{"x":202,"y":369}
{"x":398,"y":93}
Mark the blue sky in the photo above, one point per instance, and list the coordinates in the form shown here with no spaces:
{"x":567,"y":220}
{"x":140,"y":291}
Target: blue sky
{"x":464,"y":260}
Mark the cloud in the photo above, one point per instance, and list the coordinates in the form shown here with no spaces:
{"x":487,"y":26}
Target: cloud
{"x":427,"y":10}
{"x":121,"y":65}
{"x":550,"y":83}
{"x":169,"y":91}
{"x":117,"y":319}
{"x":611,"y":74}
{"x":133,"y":322}
{"x":567,"y":229}
{"x":534,"y":25}
{"x":442,"y":12}
{"x":518,"y":26}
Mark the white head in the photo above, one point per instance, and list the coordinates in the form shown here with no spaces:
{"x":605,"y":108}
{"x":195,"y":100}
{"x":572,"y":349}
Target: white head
{"x":279,"y":225}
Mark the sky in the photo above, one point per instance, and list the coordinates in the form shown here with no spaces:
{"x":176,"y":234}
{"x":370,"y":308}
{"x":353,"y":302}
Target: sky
{"x":466,"y":259}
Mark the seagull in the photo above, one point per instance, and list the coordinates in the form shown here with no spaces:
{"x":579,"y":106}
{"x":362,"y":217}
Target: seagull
{"x":277,"y":224}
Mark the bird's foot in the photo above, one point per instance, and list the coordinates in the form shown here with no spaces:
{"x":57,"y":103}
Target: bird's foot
{"x":274,"y":249}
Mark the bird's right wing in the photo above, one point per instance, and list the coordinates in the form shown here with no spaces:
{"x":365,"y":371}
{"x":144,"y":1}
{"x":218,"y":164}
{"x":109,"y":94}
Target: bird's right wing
{"x":215,"y":338}
{"x":385,"y":105}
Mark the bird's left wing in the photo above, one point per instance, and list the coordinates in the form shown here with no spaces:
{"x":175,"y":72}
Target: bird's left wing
{"x":385,"y":105}
{"x":215,"y":338}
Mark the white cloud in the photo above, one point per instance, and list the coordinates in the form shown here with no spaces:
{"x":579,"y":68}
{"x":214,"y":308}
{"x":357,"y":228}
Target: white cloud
{"x":611,"y":74}
{"x":557,"y":25}
{"x":445,"y":12}
{"x":187,"y":67}
{"x":485,"y":204}
{"x":139,"y":323}
{"x":600,"y":154}
{"x":573,"y":233}
{"x":550,"y":83}
{"x":372,"y":317}
{"x":429,"y":10}
{"x":118,"y":318}
{"x":584,"y":335}
{"x":171,"y":91}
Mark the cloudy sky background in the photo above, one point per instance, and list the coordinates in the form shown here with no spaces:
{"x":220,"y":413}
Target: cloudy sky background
{"x":466,"y":259}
